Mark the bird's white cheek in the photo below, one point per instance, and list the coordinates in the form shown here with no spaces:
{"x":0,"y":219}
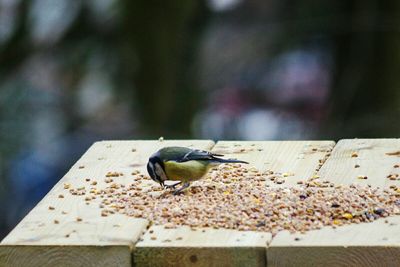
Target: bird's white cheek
{"x":160,"y":172}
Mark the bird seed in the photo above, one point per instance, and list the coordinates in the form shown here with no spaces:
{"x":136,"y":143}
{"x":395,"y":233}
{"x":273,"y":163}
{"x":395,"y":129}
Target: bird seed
{"x":234,"y":197}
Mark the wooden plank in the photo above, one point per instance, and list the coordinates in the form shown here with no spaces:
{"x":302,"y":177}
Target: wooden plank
{"x":297,"y":160}
{"x":222,"y":247}
{"x":352,"y":158}
{"x":366,"y":244}
{"x":71,"y":256}
{"x":201,"y":247}
{"x":57,"y":222}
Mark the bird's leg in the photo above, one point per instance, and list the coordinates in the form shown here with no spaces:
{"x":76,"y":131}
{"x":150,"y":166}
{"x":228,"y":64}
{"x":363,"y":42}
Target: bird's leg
{"x":172,"y":186}
{"x":184,"y":186}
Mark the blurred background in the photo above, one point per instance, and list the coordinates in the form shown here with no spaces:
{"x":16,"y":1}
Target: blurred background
{"x":74,"y":72}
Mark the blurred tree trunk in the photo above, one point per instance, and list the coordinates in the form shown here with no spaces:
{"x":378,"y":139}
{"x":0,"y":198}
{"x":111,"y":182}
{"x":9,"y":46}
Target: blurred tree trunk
{"x":366,"y":88}
{"x":364,"y":38}
{"x":158,"y":33}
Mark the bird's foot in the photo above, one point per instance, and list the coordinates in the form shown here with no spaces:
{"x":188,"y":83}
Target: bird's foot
{"x":178,"y":191}
{"x":172,"y":186}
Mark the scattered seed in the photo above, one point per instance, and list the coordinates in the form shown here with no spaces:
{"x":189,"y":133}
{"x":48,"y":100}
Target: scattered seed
{"x":56,"y":222}
{"x":113,"y":174}
{"x":396,"y":153}
{"x":81,"y":167}
{"x":348,"y":216}
{"x":78,"y":219}
{"x":251,"y":204}
{"x":153,"y":238}
{"x":379,"y":211}
{"x":356,"y":166}
{"x":51,"y":208}
{"x":60,"y":196}
{"x":354,"y":155}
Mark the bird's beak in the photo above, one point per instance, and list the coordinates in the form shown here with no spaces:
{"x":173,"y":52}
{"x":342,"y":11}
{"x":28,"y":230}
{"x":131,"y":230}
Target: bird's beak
{"x":162,"y":184}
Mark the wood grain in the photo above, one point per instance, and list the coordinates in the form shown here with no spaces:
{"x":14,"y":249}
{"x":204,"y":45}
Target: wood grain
{"x":365,"y":244}
{"x":65,"y":256}
{"x":299,"y":160}
{"x":184,"y":246}
{"x":71,"y":221}
{"x":334,"y":256}
{"x":366,"y":157}
{"x":221,"y":247}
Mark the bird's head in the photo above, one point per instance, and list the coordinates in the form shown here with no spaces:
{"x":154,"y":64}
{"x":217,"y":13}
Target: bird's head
{"x":155,"y":168}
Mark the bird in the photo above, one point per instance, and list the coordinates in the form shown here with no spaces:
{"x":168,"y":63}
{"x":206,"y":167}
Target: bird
{"x":183,"y":164}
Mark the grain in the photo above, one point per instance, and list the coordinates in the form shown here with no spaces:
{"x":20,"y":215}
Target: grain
{"x":395,"y":153}
{"x":234,"y":197}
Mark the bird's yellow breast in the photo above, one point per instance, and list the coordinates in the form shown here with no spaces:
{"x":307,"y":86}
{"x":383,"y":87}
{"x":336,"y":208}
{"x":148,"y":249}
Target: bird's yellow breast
{"x":186,"y":171}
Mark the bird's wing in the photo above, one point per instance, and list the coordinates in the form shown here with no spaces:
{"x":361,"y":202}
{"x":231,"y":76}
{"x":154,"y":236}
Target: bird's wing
{"x":197,"y":154}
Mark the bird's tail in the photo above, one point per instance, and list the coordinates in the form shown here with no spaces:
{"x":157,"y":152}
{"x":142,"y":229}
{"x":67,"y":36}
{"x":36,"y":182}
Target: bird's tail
{"x":230,"y":161}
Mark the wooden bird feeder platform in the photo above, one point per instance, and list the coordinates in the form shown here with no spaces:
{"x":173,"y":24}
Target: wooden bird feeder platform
{"x":63,"y":230}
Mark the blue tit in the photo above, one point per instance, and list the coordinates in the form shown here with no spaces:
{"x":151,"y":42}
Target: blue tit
{"x":182,"y":164}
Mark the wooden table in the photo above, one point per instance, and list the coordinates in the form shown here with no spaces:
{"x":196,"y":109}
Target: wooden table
{"x":62,"y":230}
